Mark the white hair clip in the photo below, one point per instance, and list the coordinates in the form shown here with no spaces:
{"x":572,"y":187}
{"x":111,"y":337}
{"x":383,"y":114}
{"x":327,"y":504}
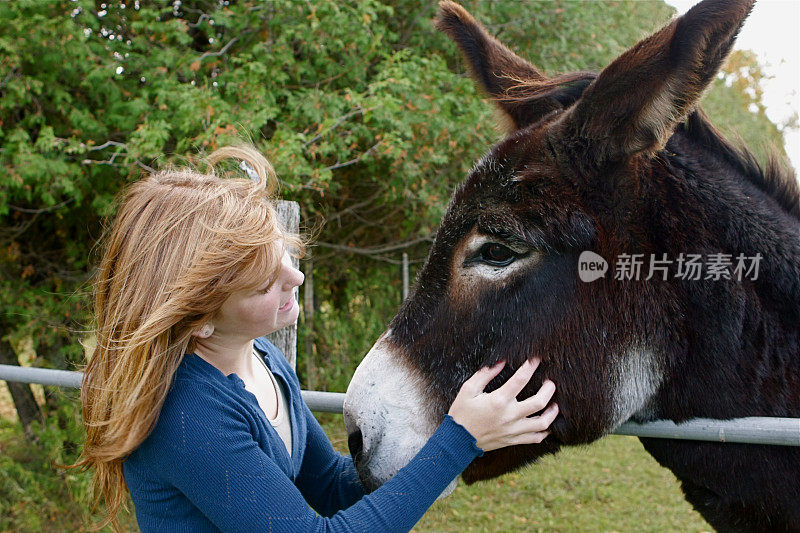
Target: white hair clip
{"x":250,"y":172}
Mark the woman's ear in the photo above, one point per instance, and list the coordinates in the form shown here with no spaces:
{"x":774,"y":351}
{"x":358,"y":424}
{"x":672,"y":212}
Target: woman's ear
{"x":204,"y":332}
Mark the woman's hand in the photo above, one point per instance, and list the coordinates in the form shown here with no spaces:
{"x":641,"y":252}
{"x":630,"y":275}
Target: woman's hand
{"x":497,"y":419}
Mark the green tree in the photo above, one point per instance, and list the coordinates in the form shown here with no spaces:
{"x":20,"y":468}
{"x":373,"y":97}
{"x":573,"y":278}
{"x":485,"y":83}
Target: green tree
{"x":735,"y":105}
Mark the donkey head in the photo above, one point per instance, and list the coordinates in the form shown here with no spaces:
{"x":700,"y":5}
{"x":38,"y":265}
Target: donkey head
{"x":601,"y":163}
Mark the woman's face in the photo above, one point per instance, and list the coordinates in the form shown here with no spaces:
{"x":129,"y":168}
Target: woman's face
{"x":256,"y":312}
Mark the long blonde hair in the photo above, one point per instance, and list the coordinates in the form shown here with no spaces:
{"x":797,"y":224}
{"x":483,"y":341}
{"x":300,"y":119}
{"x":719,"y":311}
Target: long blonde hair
{"x":182,"y":241}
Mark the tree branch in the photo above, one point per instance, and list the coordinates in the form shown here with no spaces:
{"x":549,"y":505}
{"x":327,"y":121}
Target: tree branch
{"x":341,"y":120}
{"x":384,"y":259}
{"x":106,"y":145}
{"x":104,"y":162}
{"x":353,"y":161}
{"x":8,"y":77}
{"x":42,"y":210}
{"x":374,"y":250}
{"x":145,"y":167}
{"x":221,"y":51}
{"x":338,"y":215}
{"x":112,"y":160}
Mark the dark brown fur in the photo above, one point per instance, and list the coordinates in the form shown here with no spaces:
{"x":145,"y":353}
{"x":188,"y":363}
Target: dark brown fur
{"x":623,"y":163}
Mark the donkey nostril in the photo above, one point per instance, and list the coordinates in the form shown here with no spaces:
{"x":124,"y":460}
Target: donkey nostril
{"x":355,"y":441}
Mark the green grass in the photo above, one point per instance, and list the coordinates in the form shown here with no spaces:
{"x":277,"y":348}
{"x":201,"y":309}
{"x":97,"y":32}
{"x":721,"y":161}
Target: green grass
{"x":611,"y":485}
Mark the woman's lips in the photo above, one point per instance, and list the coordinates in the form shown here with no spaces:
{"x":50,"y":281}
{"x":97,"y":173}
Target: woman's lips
{"x":288,"y":305}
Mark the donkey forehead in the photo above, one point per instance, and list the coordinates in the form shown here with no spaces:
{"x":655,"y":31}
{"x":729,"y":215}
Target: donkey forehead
{"x":525,"y":155}
{"x":512,"y":197}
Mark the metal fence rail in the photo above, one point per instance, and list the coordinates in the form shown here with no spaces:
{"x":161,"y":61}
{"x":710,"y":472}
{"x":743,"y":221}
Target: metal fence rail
{"x":753,"y":430}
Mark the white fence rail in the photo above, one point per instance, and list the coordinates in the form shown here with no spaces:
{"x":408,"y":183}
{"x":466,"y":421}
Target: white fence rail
{"x":753,"y":430}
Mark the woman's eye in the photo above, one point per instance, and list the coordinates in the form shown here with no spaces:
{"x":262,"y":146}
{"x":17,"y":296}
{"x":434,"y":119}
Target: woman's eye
{"x":497,"y":254}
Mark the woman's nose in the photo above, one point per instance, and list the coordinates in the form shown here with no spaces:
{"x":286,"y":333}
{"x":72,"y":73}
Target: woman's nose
{"x":298,"y":277}
{"x":292,"y":277}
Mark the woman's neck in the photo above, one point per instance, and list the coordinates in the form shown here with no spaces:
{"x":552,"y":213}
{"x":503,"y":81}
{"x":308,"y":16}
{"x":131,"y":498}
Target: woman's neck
{"x":228,"y":356}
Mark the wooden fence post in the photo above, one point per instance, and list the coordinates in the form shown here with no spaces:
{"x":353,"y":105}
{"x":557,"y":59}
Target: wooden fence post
{"x":286,"y":339}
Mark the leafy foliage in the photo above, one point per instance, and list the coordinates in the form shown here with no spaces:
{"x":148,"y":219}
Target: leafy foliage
{"x":735,"y":101}
{"x":355,"y":103}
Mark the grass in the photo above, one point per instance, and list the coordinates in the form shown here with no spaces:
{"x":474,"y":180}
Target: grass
{"x":611,"y":485}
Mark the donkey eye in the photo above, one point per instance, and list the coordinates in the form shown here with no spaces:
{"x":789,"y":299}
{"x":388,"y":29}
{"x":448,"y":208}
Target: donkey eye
{"x":496,"y":254}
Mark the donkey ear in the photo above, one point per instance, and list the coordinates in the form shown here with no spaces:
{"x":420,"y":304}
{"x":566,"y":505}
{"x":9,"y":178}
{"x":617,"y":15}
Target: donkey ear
{"x":518,"y":89}
{"x":636,"y":103}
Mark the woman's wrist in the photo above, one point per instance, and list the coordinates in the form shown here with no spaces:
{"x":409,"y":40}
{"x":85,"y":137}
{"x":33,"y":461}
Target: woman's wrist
{"x":451,"y":425}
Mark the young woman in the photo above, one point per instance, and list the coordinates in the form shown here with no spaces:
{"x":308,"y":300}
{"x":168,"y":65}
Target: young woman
{"x":189,"y":409}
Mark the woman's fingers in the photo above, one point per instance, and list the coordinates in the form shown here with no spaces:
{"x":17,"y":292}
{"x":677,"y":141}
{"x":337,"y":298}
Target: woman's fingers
{"x":480,"y":379}
{"x":540,"y":422}
{"x":534,"y":425}
{"x":538,"y":401}
{"x":497,"y":419}
{"x":529,"y":438}
{"x":521,"y":377}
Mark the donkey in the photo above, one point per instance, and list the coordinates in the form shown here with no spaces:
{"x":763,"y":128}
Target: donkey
{"x":616,"y":166}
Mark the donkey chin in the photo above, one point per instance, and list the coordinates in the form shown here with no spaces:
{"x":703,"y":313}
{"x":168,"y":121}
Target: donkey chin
{"x":385,"y":416}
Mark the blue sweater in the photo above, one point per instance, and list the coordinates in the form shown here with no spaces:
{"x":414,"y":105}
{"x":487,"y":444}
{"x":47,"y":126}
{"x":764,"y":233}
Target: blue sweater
{"x":214,"y":462}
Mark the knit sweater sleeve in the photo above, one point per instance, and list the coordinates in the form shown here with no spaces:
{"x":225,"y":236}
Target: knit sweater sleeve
{"x":328,"y":480}
{"x":206,"y":450}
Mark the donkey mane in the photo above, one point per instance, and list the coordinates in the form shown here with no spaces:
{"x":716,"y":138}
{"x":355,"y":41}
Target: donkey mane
{"x":778,"y":180}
